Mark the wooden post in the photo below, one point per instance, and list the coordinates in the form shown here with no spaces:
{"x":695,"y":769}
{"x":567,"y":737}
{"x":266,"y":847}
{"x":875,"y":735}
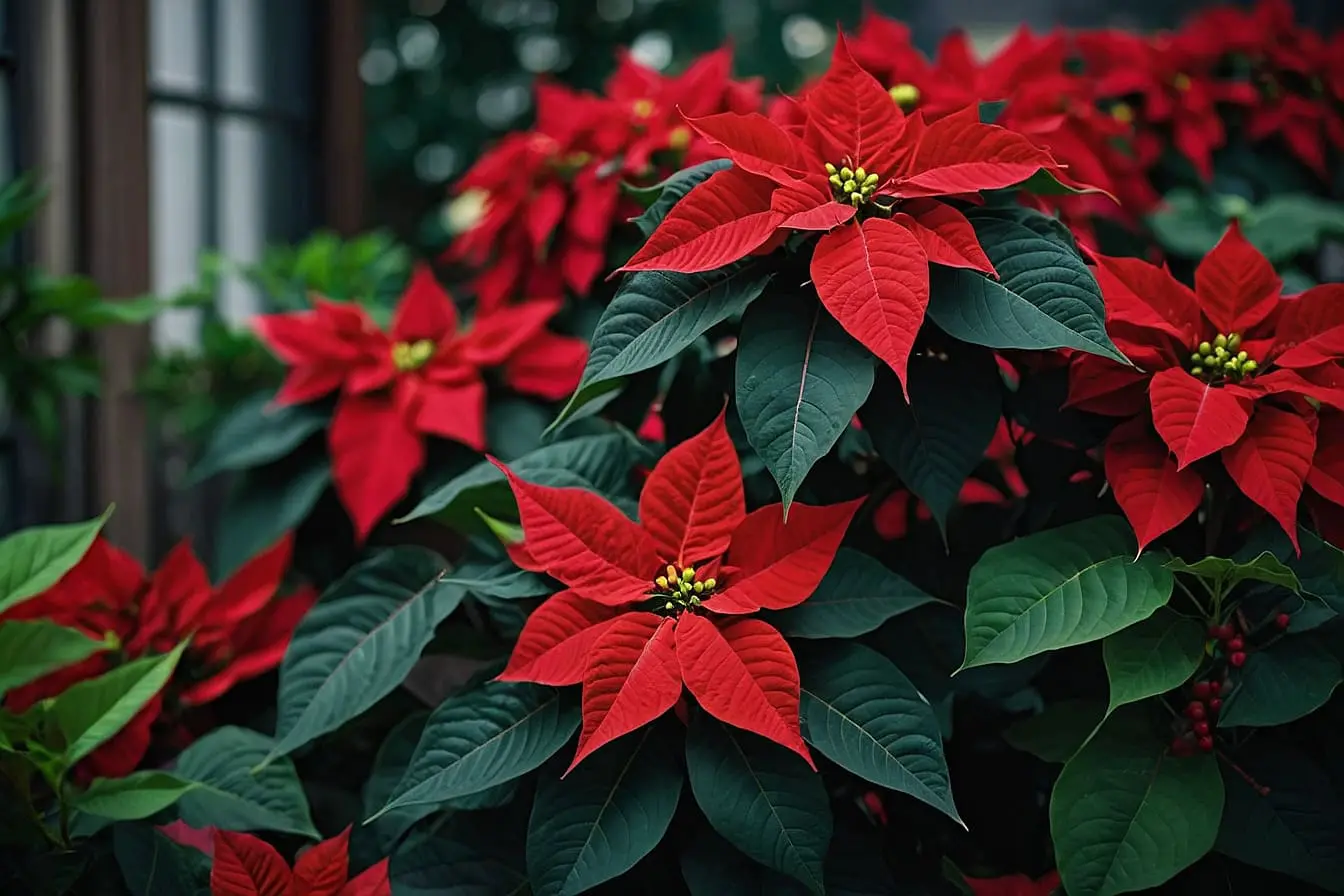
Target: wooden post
{"x":115,"y":165}
{"x":342,"y":110}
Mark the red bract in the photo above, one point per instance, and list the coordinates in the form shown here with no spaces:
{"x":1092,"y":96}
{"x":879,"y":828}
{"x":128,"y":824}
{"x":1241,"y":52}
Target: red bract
{"x":655,"y":605}
{"x":1014,"y":885}
{"x":1231,"y":367}
{"x":553,"y":193}
{"x":864,"y":175}
{"x":238,"y":630}
{"x":424,"y":378}
{"x":248,"y":866}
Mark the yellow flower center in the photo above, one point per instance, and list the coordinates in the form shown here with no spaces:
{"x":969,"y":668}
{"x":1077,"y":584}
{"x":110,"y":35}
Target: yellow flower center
{"x":1222,"y":360}
{"x":905,"y":95}
{"x":1181,"y":82}
{"x":408,"y":356}
{"x":680,"y":589}
{"x":643,"y":108}
{"x":679,"y":138}
{"x":854,"y":186}
{"x":1123,"y":113}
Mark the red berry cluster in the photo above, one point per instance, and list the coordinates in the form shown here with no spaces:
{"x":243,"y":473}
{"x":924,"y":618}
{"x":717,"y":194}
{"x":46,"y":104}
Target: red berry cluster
{"x":1232,"y":643}
{"x":1194,"y":730}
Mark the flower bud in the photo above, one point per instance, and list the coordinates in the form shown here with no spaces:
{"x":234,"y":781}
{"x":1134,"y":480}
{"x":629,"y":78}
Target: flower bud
{"x":699,"y":587}
{"x":831,"y":169}
{"x":850,"y":186}
{"x":661,"y":582}
{"x":1197,"y":371}
{"x":1205,"y":348}
{"x":847,"y":173}
{"x":871,"y":180}
{"x":1220,"y":341}
{"x":669,"y":606}
{"x":1249,"y":367}
{"x":709,"y":584}
{"x":859,"y":173}
{"x":836,"y":182}
{"x":1242,"y":356}
{"x":1234,"y":341}
{"x":1230,"y":364}
{"x":1196,"y":358}
{"x":672,"y":573}
{"x":688,"y":574}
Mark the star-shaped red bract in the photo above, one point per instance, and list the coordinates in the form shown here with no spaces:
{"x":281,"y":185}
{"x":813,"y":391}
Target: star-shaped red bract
{"x":665,"y":602}
{"x":237,"y":629}
{"x":245,"y":865}
{"x":1231,"y":367}
{"x":866,"y":177}
{"x":425,"y":377}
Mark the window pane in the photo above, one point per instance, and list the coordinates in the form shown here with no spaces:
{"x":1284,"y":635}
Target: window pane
{"x":175,"y":44}
{"x":177,"y":197}
{"x":238,"y":24}
{"x":242,"y":222}
{"x":290,"y":32}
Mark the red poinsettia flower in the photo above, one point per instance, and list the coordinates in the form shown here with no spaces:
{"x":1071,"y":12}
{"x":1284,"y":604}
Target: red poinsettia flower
{"x":1231,"y":367}
{"x":249,"y":866}
{"x":423,"y":378}
{"x":865,"y":176}
{"x":655,"y":605}
{"x":237,"y":630}
{"x":1014,"y":885}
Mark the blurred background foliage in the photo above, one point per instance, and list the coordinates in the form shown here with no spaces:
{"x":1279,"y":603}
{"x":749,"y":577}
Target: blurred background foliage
{"x":446,"y":77}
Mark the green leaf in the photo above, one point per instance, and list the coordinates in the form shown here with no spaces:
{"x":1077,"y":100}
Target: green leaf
{"x":1152,"y":657}
{"x":1059,"y":731}
{"x":1187,"y":223}
{"x":1297,"y":828}
{"x":91,"y":711}
{"x":257,"y":432}
{"x":864,"y":715}
{"x":1222,"y":574}
{"x":934,"y":442}
{"x":476,"y":854}
{"x":31,"y":649}
{"x":482,"y":738}
{"x":1045,"y":296}
{"x":488,"y":577}
{"x":138,"y":795}
{"x":711,"y":866}
{"x":389,"y":765}
{"x":670,"y":191}
{"x":652,"y":318}
{"x":1125,"y":815}
{"x":231,"y":796}
{"x":856,"y":596}
{"x":153,"y":865}
{"x":605,"y":816}
{"x":1287,"y":225}
{"x":599,"y":463}
{"x":761,"y":797}
{"x":264,"y":504}
{"x":800,"y":380}
{"x":1290,"y":678}
{"x":1320,"y":569}
{"x":32,"y":560}
{"x":360,"y":641}
{"x":1059,"y":588}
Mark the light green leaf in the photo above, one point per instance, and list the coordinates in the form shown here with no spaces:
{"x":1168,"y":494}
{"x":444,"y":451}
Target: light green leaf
{"x":606,"y":815}
{"x":1187,"y":223}
{"x":1045,"y":296}
{"x":32,"y":560}
{"x":257,"y":431}
{"x":1057,"y":732}
{"x":359,"y":642}
{"x":91,"y":711}
{"x":652,"y":318}
{"x":1152,"y":657}
{"x":864,"y":714}
{"x":231,"y":796}
{"x":31,"y":649}
{"x":800,"y":380}
{"x":1291,"y":224}
{"x":1125,"y":815}
{"x":934,"y":442}
{"x":1222,"y":574}
{"x":855,"y":597}
{"x":761,"y":797}
{"x":1280,"y":683}
{"x":482,"y":738}
{"x":1059,"y":588}
{"x":138,"y":795}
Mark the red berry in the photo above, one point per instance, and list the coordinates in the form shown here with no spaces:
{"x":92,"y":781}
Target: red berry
{"x":1282,"y":620}
{"x":1203,"y":689}
{"x":1182,"y":746}
{"x":1195,"y":710}
{"x":1214,"y":630}
{"x":1235,"y":644}
{"x":1206,"y":744}
{"x":1225,"y":631}
{"x":1215,"y":687}
{"x":1215,"y":704}
{"x":1237,"y":659}
{"x":1201,"y":728}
